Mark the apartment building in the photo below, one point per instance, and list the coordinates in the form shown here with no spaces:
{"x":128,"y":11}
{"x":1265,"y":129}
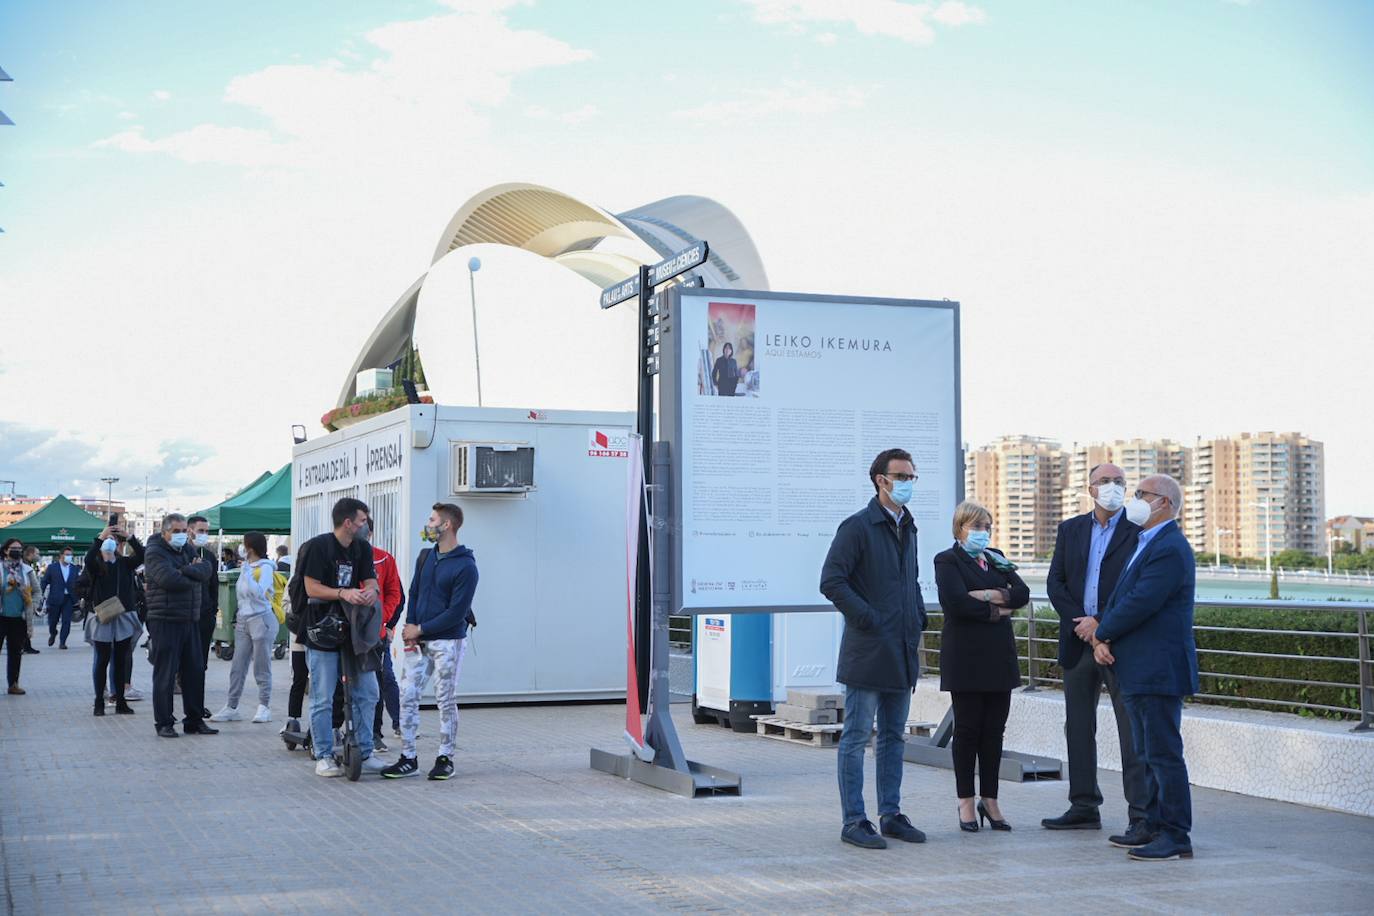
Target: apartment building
{"x":1020,"y":479}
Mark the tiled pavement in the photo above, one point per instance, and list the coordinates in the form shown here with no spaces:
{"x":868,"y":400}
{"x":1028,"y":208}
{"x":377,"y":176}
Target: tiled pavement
{"x":100,"y":816}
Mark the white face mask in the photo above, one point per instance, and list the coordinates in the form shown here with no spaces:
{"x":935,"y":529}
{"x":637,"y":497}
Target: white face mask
{"x":1111,"y":496}
{"x":202,"y":540}
{"x":1138,"y":511}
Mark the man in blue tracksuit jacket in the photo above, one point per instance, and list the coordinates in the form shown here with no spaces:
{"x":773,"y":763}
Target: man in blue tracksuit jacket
{"x":435,"y":637}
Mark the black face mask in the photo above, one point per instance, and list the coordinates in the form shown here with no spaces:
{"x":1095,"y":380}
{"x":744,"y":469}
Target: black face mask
{"x":14,"y":554}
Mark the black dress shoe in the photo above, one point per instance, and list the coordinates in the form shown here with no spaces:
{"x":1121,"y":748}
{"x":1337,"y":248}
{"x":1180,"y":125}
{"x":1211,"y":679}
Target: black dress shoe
{"x":123,"y":709}
{"x":899,"y":827}
{"x":166,"y":731}
{"x":200,"y":728}
{"x":863,"y":834}
{"x":1136,"y":836}
{"x":30,"y":650}
{"x":968,"y":826}
{"x":1073,"y":820}
{"x":52,"y":639}
{"x":99,"y":707}
{"x":992,"y":822}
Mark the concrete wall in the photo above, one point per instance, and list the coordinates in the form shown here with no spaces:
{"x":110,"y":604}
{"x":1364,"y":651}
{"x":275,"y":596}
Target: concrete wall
{"x":1268,"y":755}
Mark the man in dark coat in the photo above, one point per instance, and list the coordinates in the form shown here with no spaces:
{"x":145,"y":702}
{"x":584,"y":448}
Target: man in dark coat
{"x":870,"y":576}
{"x":1090,"y":552}
{"x":175,"y":586}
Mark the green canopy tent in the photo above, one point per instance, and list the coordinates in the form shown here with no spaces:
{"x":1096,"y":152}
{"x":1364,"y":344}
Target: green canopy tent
{"x":61,"y":523}
{"x":264,"y":505}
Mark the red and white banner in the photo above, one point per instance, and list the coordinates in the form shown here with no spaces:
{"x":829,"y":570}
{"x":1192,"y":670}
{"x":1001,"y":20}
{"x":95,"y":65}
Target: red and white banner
{"x":634,"y":506}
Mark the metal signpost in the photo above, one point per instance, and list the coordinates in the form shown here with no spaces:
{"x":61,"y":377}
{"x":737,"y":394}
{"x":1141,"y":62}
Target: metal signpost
{"x":669,"y":767}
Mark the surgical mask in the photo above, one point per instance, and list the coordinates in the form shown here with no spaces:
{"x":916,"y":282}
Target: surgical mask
{"x":1111,"y":496}
{"x":901,"y":491}
{"x":977,"y":542}
{"x":1138,"y":511}
{"x":108,"y":546}
{"x":67,"y":558}
{"x":364,"y":532}
{"x":179,"y":540}
{"x":202,"y":540}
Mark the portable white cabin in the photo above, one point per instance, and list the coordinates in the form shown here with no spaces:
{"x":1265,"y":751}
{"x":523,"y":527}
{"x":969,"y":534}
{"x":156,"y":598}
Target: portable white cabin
{"x":543,"y":496}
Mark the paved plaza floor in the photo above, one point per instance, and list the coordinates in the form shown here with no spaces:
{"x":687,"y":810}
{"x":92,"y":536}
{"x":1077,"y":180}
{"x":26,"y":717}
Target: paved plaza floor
{"x":101,"y":816}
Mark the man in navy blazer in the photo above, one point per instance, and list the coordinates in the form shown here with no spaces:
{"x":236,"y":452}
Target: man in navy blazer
{"x":1090,"y":551}
{"x":59,"y":581}
{"x":1147,"y":636}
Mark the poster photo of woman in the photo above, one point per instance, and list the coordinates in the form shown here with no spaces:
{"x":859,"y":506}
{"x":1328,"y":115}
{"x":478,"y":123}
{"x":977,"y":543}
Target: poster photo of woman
{"x":726,"y":367}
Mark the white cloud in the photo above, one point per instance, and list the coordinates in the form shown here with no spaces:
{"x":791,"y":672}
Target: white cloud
{"x":161,"y":95}
{"x":571,"y":117}
{"x":790,"y":99}
{"x":433,"y":78}
{"x":908,"y":22}
{"x":126,"y":116}
{"x":827,"y":38}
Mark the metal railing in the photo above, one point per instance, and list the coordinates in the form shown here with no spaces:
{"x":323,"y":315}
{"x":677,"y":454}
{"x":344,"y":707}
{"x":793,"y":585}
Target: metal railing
{"x":1040,"y":667}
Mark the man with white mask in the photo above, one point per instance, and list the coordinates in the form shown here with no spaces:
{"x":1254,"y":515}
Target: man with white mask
{"x":1090,"y":553}
{"x":1146,"y":634}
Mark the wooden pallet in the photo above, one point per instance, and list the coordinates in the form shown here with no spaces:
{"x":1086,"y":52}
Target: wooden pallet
{"x":819,"y":735}
{"x":798,"y":732}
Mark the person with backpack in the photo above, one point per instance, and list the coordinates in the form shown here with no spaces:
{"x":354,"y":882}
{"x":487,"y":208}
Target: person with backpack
{"x":255,"y":630}
{"x":435,"y":637}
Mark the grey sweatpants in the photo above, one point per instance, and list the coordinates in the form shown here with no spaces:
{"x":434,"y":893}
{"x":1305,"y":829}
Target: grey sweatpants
{"x":253,"y":639}
{"x":441,"y":659}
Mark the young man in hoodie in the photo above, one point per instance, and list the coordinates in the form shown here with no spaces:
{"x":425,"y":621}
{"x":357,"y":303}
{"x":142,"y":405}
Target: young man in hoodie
{"x":435,"y":637}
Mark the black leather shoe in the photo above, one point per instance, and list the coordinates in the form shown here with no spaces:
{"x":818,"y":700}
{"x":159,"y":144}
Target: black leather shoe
{"x":968,"y":826}
{"x":99,"y":707}
{"x":899,"y":827}
{"x":992,"y":822}
{"x":200,"y":728}
{"x":30,"y":650}
{"x":1136,"y":835}
{"x":123,"y":709}
{"x":52,"y":639}
{"x":1073,"y":820}
{"x":863,"y":834}
{"x":166,"y":731}
{"x":1161,"y":849}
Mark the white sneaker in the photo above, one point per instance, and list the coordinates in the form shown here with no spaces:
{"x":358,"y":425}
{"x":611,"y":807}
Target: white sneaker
{"x":327,"y":767}
{"x":263,"y":715}
{"x":133,"y":694}
{"x":374,"y":764}
{"x":227,"y":714}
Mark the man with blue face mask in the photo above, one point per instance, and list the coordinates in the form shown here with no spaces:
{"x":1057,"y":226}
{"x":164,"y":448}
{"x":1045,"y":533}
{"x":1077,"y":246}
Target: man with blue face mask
{"x":870,"y":576}
{"x":175,"y":582}
{"x":1090,"y":553}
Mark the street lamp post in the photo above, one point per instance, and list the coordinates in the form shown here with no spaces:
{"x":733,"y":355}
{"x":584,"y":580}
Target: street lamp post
{"x":1219,"y":532}
{"x":1268,"y":503}
{"x":1331,"y":540}
{"x":147,"y":522}
{"x":109,"y":493}
{"x":474,"y":265}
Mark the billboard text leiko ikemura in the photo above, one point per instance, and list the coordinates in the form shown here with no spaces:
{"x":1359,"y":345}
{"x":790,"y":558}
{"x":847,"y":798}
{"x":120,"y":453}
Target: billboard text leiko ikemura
{"x":782,"y":401}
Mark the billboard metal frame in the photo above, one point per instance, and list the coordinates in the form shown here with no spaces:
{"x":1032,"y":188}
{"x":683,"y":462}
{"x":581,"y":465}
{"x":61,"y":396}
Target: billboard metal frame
{"x":670,"y":396}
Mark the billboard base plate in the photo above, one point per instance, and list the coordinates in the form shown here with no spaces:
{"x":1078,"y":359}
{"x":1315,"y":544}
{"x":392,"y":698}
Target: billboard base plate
{"x":701,"y":780}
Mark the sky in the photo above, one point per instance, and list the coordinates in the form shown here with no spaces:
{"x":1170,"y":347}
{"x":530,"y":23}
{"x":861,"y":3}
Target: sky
{"x":1158,"y":217}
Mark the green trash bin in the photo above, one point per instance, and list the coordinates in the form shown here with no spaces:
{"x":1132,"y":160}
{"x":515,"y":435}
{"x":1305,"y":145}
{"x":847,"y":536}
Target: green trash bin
{"x":228,"y":612}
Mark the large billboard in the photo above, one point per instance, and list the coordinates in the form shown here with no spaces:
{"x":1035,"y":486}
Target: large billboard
{"x":781,"y":403}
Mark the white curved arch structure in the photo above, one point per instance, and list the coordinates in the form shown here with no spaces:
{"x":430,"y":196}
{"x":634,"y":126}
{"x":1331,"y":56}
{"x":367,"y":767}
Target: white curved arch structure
{"x":553,"y":255}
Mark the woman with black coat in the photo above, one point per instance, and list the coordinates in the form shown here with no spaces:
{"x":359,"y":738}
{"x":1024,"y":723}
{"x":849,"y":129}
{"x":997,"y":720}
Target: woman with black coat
{"x":110,"y":568}
{"x":979,"y":589}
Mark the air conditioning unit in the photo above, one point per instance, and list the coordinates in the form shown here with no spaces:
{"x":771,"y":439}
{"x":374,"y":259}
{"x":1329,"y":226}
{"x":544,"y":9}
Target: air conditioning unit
{"x":492,"y":467}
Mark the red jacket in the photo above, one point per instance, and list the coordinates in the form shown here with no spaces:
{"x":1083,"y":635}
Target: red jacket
{"x":389,"y":581}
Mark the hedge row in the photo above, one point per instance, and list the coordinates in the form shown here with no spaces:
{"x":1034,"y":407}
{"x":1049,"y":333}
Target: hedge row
{"x":1218,"y":671}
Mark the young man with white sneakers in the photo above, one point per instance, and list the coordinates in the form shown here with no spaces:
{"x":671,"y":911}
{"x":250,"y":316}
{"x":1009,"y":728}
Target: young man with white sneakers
{"x":435,"y":637}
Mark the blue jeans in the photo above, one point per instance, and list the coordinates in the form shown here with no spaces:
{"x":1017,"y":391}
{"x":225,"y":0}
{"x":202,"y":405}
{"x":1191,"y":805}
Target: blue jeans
{"x":324,"y":674}
{"x":1155,"y":721}
{"x":860,"y":707}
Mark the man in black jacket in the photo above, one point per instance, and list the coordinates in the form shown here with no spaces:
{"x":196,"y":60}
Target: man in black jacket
{"x":870,"y":576}
{"x":175,"y":584}
{"x":1090,"y":553}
